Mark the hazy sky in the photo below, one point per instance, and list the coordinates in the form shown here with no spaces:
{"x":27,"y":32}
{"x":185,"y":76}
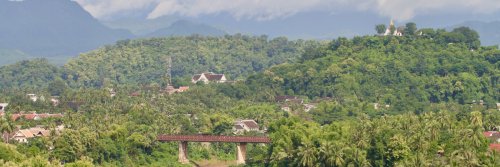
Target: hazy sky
{"x":400,"y":10}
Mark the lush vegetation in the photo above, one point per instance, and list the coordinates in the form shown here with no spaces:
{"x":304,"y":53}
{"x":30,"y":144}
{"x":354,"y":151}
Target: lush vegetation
{"x":435,"y":92}
{"x":408,"y":73}
{"x":146,"y":61}
{"x":430,"y":139}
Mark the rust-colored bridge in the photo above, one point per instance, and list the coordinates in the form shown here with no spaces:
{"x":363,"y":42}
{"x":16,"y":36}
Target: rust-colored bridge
{"x":241,"y":140}
{"x":209,"y":138}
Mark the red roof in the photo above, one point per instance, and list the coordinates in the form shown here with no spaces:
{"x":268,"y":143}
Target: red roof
{"x":14,"y":117}
{"x":135,"y":94}
{"x":30,"y":116}
{"x":495,"y":147}
{"x":489,"y":133}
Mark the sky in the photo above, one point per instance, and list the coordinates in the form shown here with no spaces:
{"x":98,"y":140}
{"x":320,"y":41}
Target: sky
{"x":262,"y":10}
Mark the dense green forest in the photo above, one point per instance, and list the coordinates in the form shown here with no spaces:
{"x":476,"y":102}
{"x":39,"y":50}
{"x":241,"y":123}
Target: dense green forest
{"x":145,"y":61}
{"x":406,"y":72}
{"x":437,"y":93}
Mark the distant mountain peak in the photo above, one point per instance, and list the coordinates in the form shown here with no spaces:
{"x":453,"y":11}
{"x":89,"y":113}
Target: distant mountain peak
{"x":52,"y":27}
{"x":185,"y":28}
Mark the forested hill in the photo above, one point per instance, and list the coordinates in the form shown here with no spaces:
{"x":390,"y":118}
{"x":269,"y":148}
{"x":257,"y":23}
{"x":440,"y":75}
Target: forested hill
{"x":406,"y":72}
{"x":145,"y":61}
{"x":423,"y":84}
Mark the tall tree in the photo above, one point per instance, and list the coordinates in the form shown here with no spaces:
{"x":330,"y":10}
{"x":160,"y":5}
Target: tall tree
{"x":380,"y":29}
{"x":6,"y":127}
{"x":411,"y":28}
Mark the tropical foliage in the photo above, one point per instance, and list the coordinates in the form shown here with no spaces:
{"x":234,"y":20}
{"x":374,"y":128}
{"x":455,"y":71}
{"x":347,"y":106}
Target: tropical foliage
{"x":422,"y":99}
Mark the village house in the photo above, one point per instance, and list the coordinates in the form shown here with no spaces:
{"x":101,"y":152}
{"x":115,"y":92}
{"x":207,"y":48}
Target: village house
{"x":33,"y":97}
{"x":23,"y":135}
{"x":291,"y":99}
{"x":209,"y":78}
{"x":183,"y":89}
{"x":171,"y":90}
{"x":3,"y":106}
{"x":242,"y":126}
{"x":309,"y":107}
{"x":377,"y":106}
{"x":54,"y":100}
{"x":492,"y":135}
{"x":286,"y":107}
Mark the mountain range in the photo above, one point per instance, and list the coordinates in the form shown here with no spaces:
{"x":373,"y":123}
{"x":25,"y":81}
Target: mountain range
{"x":184,"y":28}
{"x":61,"y":29}
{"x":52,"y":28}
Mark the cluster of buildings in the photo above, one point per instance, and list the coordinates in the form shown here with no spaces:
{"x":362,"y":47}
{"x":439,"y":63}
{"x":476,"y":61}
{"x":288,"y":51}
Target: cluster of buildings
{"x":392,"y":30}
{"x":205,"y":78}
{"x":289,"y":103}
{"x":23,"y":135}
{"x":378,"y":106}
{"x":494,"y":137}
{"x":34,"y":116}
{"x":34,"y":97}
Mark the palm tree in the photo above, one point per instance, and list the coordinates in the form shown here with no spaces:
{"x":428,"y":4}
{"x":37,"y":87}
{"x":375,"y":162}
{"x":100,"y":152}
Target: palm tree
{"x":476,"y":118}
{"x":6,"y":127}
{"x":465,"y":158}
{"x":360,"y":158}
{"x":333,"y":154}
{"x":308,"y":155}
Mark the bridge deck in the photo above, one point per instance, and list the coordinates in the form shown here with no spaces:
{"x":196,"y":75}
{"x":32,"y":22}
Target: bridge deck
{"x":209,"y":138}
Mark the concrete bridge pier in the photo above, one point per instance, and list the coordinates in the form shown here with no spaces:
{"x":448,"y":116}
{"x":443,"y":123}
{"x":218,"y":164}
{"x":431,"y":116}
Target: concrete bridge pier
{"x":183,"y":152}
{"x":241,"y":153}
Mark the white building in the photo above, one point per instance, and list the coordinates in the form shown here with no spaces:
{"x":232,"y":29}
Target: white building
{"x":33,"y":97}
{"x":209,"y":78}
{"x":397,"y":31}
{"x":3,"y":106}
{"x":245,"y":126}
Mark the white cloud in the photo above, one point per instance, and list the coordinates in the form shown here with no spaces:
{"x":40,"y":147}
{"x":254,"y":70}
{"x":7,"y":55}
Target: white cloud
{"x":271,"y":9}
{"x":406,"y":9}
{"x":104,"y":8}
